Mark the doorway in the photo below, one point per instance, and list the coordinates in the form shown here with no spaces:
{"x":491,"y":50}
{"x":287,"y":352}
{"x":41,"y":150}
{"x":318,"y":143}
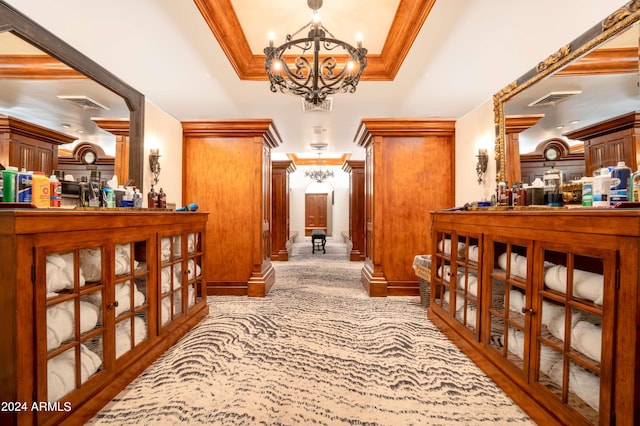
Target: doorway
{"x":315,"y":210}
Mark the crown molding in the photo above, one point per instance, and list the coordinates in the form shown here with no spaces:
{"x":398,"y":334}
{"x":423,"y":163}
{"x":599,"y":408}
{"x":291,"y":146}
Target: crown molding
{"x":406,"y":25}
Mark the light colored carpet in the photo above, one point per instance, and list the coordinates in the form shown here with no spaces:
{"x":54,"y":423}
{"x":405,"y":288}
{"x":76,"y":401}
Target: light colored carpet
{"x":317,"y":350}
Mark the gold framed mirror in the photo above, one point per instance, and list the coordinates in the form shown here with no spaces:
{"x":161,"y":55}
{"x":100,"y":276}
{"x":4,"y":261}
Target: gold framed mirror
{"x":623,"y":21}
{"x":12,"y":21}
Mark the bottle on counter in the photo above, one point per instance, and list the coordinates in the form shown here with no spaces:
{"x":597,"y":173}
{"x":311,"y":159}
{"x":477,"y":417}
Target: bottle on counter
{"x":55,"y":191}
{"x":9,"y":176}
{"x":152,"y":198}
{"x":620,"y":180}
{"x":137,"y":198}
{"x":40,"y":186}
{"x":162,"y":199}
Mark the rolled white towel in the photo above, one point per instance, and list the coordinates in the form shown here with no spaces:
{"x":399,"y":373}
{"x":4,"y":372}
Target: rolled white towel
{"x":474,"y":253}
{"x":60,"y":272}
{"x":556,"y":325}
{"x":517,"y":300}
{"x":550,"y":311}
{"x":166,"y":249}
{"x":61,"y":373}
{"x":586,"y":337}
{"x":582,"y":383}
{"x":586,"y":285}
{"x":191,"y":243}
{"x":459,"y":300}
{"x":195,"y":271}
{"x":123,"y":259}
{"x":444,"y":272}
{"x":518,"y":264}
{"x":91,"y":264}
{"x":123,"y":335}
{"x":444,"y":246}
{"x":165,"y":310}
{"x":60,"y":324}
{"x":515,"y":343}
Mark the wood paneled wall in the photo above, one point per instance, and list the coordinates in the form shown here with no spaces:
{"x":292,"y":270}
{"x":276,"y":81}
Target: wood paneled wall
{"x":227,"y":171}
{"x":409,"y":171}
{"x":356,"y":209}
{"x":280,"y":231}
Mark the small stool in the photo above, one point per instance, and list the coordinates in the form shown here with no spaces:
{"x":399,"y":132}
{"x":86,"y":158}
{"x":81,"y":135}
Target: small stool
{"x":318,"y":240}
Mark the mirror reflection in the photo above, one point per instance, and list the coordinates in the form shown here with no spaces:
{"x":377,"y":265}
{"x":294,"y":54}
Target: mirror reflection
{"x":548,"y":116}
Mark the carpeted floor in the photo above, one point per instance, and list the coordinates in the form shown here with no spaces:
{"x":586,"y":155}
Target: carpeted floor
{"x":316,"y":350}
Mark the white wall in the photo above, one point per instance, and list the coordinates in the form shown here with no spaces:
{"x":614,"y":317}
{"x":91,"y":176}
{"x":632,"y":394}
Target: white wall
{"x":340,"y":212}
{"x":475,"y":130}
{"x":164,"y":132}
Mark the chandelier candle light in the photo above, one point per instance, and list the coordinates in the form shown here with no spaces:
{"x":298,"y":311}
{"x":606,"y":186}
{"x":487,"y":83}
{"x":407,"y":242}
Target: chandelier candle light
{"x":319,"y":175}
{"x":314,"y":78}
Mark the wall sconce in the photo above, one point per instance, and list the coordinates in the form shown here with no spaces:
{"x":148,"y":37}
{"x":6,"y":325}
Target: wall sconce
{"x":481,"y":164}
{"x":154,"y":163}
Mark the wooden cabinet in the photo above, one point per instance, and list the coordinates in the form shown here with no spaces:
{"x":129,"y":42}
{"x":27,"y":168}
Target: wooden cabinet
{"x":408,"y":172}
{"x":227,"y":171}
{"x":280,"y":231}
{"x":29,"y":146}
{"x":547,"y":303}
{"x":611,"y":141}
{"x":89,"y":301}
{"x":356,"y":209}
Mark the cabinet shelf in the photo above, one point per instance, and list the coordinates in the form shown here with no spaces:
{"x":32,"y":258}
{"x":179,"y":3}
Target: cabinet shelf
{"x":104,"y":324}
{"x":558,"y":309}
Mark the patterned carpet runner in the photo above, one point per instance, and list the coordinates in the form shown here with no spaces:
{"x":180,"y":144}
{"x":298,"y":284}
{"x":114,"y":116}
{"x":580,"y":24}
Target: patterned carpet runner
{"x":317,"y":350}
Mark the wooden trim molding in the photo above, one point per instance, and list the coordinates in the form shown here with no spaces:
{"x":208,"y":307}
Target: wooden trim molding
{"x":22,"y":127}
{"x":604,"y":61}
{"x":326,"y":161}
{"x":224,"y":25}
{"x":36,"y":67}
{"x":258,"y":127}
{"x":403,"y":127}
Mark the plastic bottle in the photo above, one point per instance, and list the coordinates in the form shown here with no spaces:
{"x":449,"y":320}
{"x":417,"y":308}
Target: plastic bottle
{"x":587,"y":191}
{"x":23,"y":187}
{"x":620,"y":177}
{"x":9,"y":176}
{"x":634,"y":187}
{"x":40,"y":190}
{"x":137,"y":199}
{"x":601,"y":190}
{"x":55,"y":191}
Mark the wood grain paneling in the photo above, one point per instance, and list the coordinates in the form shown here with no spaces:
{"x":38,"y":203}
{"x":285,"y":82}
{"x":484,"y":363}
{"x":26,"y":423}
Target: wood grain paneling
{"x":227,"y":171}
{"x":409,"y":171}
{"x":356,"y":209}
{"x":280,"y":171}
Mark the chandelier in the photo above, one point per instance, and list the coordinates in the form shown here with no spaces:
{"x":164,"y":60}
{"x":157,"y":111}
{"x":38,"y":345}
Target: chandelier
{"x":319,"y":175}
{"x":314,"y":78}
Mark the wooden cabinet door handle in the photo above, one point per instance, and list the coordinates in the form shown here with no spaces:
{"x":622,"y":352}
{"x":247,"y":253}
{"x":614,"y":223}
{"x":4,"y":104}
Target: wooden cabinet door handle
{"x":528,"y":311}
{"x":112,"y":305}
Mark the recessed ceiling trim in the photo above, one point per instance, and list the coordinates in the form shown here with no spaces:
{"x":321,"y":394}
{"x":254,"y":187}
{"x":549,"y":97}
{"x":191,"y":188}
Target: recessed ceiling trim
{"x":223,"y":22}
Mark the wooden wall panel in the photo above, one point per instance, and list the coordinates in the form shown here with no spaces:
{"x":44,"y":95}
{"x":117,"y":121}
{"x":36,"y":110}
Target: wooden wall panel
{"x":409,"y":171}
{"x":357,"y":226}
{"x":280,"y":171}
{"x":227,"y":171}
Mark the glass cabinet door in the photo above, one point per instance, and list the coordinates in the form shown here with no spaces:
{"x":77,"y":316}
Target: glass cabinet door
{"x":508,"y":283}
{"x":569,"y":360}
{"x":457,"y":287}
{"x":70,"y":320}
{"x":131,"y":297}
{"x":171,"y":282}
{"x":193,"y":274}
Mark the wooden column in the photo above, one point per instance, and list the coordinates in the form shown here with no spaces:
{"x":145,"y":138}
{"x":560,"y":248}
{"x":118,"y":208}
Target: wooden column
{"x":227,"y":171}
{"x":409,"y":171}
{"x":356,"y":209}
{"x":514,"y":125}
{"x":120,"y":128}
{"x":280,"y":232}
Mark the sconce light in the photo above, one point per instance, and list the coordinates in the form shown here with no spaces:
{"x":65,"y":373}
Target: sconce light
{"x":481,"y":164}
{"x":154,"y":163}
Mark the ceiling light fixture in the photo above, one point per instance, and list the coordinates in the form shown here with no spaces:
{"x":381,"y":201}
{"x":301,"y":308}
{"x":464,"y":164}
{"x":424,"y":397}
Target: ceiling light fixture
{"x":316,"y":77}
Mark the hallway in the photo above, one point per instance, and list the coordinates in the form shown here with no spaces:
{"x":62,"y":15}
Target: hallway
{"x":316,"y":350}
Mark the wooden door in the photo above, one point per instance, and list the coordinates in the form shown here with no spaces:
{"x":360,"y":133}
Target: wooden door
{"x":315,"y":210}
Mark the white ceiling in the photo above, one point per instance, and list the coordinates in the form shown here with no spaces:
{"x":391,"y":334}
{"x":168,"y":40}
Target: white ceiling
{"x":466,"y":51}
